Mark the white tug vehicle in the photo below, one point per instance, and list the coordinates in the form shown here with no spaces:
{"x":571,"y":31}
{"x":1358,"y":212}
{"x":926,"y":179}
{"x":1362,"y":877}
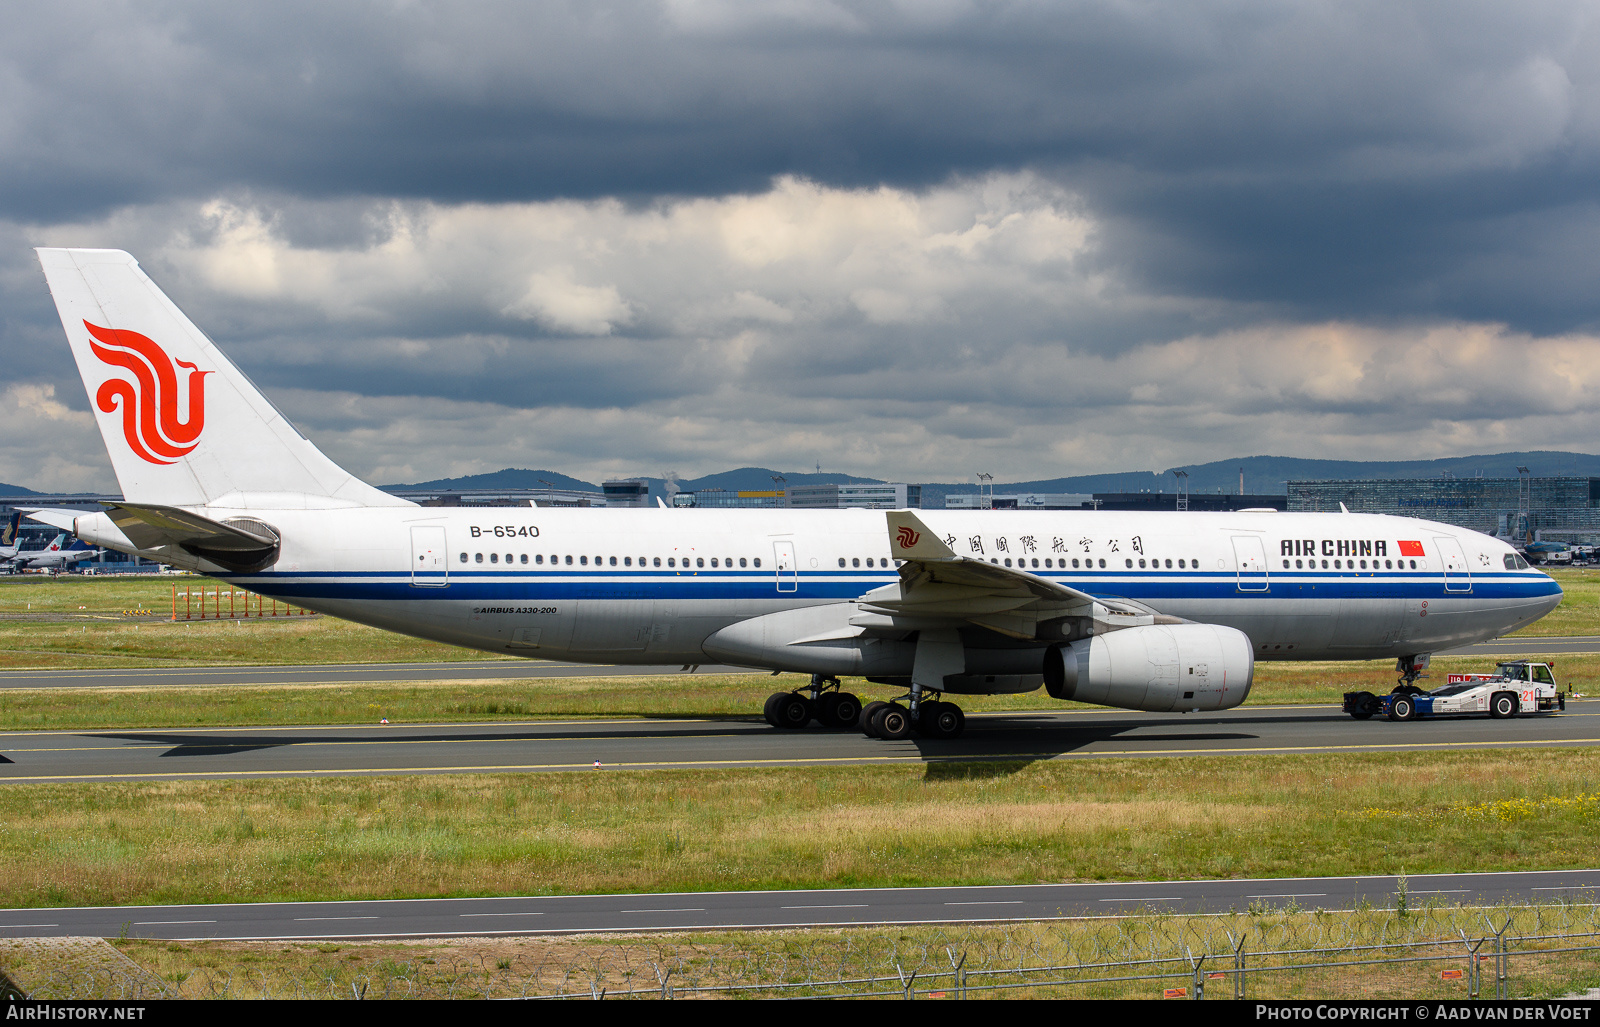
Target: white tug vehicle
{"x":1516,"y":687}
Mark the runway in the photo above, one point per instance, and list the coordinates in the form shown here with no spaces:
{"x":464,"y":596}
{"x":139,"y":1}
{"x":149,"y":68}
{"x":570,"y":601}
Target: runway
{"x":694,"y":911}
{"x":171,"y":754}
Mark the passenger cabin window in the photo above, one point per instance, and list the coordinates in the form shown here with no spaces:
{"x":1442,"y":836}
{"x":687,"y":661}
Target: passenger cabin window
{"x":463,"y":557}
{"x":477,"y":557}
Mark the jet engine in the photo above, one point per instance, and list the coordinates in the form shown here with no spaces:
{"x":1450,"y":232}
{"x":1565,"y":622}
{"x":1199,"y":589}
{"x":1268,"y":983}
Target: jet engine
{"x":1158,"y":667}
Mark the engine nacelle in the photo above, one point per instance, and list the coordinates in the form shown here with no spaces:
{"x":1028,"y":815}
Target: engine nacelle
{"x":1159,"y":667}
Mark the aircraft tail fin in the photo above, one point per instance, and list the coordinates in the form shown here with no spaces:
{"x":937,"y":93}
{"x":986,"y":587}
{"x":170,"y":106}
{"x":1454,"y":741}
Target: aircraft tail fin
{"x":8,"y":534}
{"x":183,"y":425}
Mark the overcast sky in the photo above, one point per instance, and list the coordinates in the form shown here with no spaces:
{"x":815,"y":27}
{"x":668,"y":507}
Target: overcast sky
{"x":906,"y":240}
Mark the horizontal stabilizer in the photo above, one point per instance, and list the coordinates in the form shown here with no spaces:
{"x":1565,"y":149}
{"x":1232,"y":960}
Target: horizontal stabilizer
{"x":239,"y":544}
{"x":55,"y":517}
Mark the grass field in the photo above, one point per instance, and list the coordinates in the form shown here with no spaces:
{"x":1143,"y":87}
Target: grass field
{"x":495,"y":834}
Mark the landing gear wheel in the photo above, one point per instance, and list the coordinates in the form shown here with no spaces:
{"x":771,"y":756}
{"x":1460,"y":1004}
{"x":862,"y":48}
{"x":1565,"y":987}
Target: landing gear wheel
{"x":1402,"y":708}
{"x":892,"y":723}
{"x":869,"y":711}
{"x":1502,"y":705}
{"x":770,"y":710}
{"x":793,"y":711}
{"x":940,"y":720}
{"x":838,"y":709}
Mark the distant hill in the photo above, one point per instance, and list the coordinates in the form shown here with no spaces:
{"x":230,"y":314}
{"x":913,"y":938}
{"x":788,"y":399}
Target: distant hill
{"x":16,"y":490}
{"x":1263,"y":475}
{"x":510,"y":478}
{"x":742,"y":479}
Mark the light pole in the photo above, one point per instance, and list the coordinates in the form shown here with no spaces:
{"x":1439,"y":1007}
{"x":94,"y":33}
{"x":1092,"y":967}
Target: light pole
{"x":1183,"y":489}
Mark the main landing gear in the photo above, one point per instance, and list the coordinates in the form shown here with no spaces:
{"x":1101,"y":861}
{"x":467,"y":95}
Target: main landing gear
{"x":827,"y":705}
{"x":834,"y":708}
{"x":933,"y":719}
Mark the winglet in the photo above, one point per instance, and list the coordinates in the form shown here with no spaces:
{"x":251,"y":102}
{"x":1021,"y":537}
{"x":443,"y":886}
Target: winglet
{"x":910,"y":539}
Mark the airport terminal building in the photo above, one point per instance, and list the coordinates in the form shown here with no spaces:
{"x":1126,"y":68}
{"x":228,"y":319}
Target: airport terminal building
{"x":1561,"y":509}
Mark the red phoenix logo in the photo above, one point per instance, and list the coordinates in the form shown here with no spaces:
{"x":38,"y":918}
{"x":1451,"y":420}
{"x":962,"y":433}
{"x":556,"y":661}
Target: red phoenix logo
{"x":906,"y":538}
{"x":150,"y":402}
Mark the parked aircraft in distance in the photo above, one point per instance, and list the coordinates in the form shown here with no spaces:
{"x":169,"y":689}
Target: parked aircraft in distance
{"x":1146,"y":611}
{"x":10,"y":538}
{"x":56,"y":556}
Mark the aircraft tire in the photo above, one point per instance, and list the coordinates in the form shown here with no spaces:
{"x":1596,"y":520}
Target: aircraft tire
{"x":893,"y":722}
{"x":869,"y":711}
{"x":794,"y":711}
{"x":770,"y":710}
{"x":941,"y":720}
{"x":839,"y":710}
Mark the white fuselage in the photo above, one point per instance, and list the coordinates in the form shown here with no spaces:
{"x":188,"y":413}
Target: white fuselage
{"x":650,"y":586}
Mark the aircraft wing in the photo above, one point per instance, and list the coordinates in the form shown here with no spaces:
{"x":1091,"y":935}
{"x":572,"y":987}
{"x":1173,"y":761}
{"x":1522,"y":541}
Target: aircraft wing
{"x":937,"y":585}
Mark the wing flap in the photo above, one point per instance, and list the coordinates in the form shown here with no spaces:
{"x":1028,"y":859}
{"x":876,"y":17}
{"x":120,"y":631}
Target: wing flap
{"x":936,"y":583}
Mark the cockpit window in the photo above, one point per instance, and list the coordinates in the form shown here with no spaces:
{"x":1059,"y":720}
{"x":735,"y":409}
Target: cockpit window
{"x":1511,"y":561}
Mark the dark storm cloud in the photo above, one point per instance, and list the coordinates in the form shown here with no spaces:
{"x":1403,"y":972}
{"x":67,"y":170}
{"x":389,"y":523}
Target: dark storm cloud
{"x":1331,"y":158}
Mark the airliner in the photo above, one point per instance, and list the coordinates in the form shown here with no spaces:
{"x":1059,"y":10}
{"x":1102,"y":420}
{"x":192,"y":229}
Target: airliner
{"x":1163,"y":612}
{"x":57,"y":556}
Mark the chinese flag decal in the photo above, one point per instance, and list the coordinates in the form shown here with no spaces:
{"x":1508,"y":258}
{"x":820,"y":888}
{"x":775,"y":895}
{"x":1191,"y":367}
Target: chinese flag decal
{"x":1411,"y":548}
{"x":149,"y":403}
